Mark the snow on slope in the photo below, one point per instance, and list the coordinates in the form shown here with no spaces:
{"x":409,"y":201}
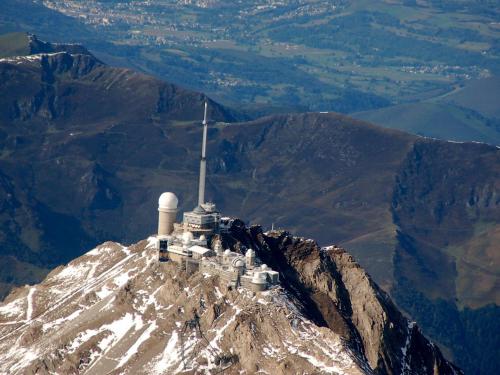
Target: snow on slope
{"x":28,"y":58}
{"x":117,"y":310}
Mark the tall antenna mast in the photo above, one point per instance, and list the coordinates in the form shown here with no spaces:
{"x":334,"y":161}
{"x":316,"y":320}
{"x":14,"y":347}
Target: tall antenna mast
{"x":203,"y":161}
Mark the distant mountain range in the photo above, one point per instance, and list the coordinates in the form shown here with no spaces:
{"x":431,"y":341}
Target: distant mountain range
{"x":87,"y":149}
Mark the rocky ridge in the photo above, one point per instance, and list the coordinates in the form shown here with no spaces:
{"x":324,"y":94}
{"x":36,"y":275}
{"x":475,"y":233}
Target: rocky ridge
{"x":117,"y":310}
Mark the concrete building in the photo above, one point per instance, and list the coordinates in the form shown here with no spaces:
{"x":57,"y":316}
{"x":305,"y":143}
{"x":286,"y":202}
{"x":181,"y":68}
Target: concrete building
{"x":236,"y":271}
{"x":204,"y":219}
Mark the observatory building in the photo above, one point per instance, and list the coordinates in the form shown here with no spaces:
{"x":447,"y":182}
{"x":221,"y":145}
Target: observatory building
{"x":188,"y":243}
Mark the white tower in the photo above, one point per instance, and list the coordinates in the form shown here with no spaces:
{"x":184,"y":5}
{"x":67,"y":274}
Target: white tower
{"x":250,"y":258}
{"x":167,"y":210}
{"x":203,"y":161}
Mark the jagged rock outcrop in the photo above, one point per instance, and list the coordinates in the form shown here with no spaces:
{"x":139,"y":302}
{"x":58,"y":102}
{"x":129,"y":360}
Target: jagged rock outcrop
{"x":117,"y":310}
{"x":340,"y":295}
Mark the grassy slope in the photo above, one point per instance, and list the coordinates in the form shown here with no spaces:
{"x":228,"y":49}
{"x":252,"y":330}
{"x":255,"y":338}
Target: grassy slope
{"x":479,"y":95}
{"x":436,"y":120}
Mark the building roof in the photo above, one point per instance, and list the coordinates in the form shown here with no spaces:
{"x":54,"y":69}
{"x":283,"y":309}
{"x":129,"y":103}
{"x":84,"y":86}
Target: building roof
{"x":199,"y":249}
{"x":199,"y":210}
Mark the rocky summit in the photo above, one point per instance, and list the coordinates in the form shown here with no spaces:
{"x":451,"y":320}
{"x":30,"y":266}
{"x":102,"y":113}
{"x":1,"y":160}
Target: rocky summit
{"x":116,"y":309}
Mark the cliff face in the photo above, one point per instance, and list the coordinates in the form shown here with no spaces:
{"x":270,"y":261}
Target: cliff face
{"x":117,"y":310}
{"x":340,"y":295}
{"x":446,"y":204}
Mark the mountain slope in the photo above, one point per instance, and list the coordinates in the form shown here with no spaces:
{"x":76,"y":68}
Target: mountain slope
{"x":437,"y":120}
{"x":123,"y":312}
{"x":478,"y":95}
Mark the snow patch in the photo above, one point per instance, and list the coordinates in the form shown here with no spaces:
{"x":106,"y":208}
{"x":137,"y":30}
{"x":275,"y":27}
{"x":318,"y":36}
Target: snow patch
{"x":35,"y":57}
{"x":104,"y":292}
{"x":320,"y":365}
{"x":218,"y":293}
{"x":404,"y":362}
{"x":170,"y":356}
{"x":121,"y":326}
{"x":29,"y":309}
{"x":118,"y":329}
{"x":152,"y":242}
{"x":71,"y":271}
{"x":134,"y":348}
{"x":27,"y":356}
{"x":58,"y":322}
{"x":82,"y":338}
{"x":12,"y":309}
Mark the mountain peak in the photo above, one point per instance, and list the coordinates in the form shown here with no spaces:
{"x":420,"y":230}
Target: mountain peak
{"x":121,"y":310}
{"x":117,"y":309}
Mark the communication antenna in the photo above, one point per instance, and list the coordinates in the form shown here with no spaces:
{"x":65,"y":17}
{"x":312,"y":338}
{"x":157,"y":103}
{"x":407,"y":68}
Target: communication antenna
{"x":203,"y":161}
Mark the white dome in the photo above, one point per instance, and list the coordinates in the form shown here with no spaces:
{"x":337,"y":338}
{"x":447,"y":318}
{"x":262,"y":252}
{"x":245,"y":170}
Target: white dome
{"x":203,"y":238}
{"x":227,"y":252}
{"x":168,"y":201}
{"x":187,"y":237}
{"x":250,"y":253}
{"x":238,"y":262}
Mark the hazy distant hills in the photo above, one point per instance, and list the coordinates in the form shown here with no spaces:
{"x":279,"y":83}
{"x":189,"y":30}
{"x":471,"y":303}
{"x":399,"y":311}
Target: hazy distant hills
{"x":88,"y":148}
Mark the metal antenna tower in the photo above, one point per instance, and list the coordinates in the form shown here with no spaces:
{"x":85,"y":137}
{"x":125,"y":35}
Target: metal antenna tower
{"x":203,"y":161}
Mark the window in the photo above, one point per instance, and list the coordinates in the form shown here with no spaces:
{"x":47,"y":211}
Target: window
{"x":163,"y":245}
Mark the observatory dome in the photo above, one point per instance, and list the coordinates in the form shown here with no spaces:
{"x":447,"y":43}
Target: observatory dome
{"x":168,"y":201}
{"x":187,"y":237}
{"x":238,"y":262}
